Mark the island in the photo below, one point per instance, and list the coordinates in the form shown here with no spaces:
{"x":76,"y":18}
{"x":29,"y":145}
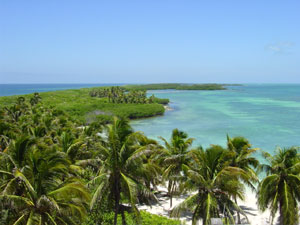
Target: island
{"x":101,"y":104}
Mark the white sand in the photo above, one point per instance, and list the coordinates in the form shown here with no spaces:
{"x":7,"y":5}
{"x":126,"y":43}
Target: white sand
{"x":255,"y":217}
{"x":249,"y":206}
{"x":167,"y":108}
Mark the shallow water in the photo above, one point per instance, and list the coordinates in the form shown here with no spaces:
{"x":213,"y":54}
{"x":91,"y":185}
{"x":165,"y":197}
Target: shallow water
{"x":268,"y":115}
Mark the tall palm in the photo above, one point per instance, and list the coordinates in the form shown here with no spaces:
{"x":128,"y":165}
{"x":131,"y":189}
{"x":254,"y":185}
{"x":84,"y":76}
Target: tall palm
{"x":151,"y":168}
{"x":175,"y":160}
{"x":280,"y":189}
{"x":121,"y":171}
{"x":242,"y":157}
{"x":214,"y":182}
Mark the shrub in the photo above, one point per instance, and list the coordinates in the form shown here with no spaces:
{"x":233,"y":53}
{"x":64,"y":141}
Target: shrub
{"x":147,"y":219}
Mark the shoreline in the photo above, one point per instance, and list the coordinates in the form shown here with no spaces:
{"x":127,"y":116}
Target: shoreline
{"x":168,"y":107}
{"x":249,"y":205}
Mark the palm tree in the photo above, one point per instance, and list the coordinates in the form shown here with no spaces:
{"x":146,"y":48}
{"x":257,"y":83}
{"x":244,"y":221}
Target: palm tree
{"x":280,"y":189}
{"x":37,"y":194}
{"x":35,"y":99}
{"x":214,"y":182}
{"x":175,"y":160}
{"x":119,"y":95}
{"x":15,"y":112}
{"x":242,"y":158}
{"x":121,"y":171}
{"x":35,"y":180}
{"x":19,"y":149}
{"x":151,"y":168}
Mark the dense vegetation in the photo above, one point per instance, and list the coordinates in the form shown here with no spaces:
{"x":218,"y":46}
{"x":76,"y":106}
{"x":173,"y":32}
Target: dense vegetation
{"x":119,"y":95}
{"x":176,"y":86}
{"x":146,"y":218}
{"x":54,"y":171}
{"x":81,"y":106}
{"x":132,"y":101}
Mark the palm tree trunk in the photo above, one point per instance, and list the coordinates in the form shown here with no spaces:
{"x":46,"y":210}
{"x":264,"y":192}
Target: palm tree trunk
{"x":116,"y":212}
{"x":117,"y":201}
{"x":281,"y":215}
{"x":170,"y":192}
{"x":238,"y":213}
{"x":123,"y":218}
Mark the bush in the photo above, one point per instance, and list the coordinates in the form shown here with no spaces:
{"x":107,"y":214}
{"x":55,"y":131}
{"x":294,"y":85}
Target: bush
{"x":147,"y":219}
{"x":163,"y":101}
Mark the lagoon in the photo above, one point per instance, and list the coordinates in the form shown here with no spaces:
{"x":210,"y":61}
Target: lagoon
{"x":267,"y":114}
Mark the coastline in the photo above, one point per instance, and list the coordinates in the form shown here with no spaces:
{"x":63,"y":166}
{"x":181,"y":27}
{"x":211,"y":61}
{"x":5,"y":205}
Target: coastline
{"x":80,"y":105}
{"x":168,"y":107}
{"x":249,"y":205}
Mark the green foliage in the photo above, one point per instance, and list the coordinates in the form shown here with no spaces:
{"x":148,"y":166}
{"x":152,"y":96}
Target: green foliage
{"x":119,"y":95}
{"x":242,"y":158}
{"x":121,"y":172}
{"x":81,"y":106}
{"x":280,"y":190}
{"x":55,"y":171}
{"x":36,"y":181}
{"x":214,"y":181}
{"x":146,"y":219}
{"x":175,"y":161}
{"x":208,"y":87}
{"x":163,"y":101}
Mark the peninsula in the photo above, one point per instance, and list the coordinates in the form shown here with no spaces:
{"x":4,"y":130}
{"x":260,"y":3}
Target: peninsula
{"x":102,"y":103}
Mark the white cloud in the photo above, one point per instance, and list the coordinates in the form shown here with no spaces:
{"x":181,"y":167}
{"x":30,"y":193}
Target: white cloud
{"x":280,"y":47}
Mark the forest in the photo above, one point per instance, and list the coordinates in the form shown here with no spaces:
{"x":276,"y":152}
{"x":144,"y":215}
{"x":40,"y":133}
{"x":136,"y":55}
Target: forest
{"x":53,"y":170}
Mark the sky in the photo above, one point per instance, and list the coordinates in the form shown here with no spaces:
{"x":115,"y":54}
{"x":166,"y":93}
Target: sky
{"x":149,"y":41}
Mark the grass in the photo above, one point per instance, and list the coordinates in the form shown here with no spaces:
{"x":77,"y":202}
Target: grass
{"x":78,"y":104}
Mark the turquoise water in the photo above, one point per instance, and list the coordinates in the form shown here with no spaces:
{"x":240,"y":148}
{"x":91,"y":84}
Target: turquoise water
{"x":268,"y":115}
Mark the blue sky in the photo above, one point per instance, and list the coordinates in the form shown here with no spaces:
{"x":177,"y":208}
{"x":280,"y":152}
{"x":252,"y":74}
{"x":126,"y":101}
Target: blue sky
{"x":149,"y":41}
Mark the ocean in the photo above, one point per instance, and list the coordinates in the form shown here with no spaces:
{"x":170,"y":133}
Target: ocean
{"x":268,"y":115}
{"x":20,"y":89}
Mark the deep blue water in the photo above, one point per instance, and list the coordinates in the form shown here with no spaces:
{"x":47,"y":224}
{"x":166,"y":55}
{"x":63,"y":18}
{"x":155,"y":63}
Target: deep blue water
{"x":18,"y":89}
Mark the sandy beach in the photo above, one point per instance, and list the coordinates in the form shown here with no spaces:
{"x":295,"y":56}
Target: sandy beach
{"x":255,"y":217}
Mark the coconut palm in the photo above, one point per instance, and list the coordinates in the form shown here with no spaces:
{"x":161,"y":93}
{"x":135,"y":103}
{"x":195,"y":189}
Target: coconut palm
{"x":19,"y":149}
{"x":35,"y":99}
{"x":14,"y":112}
{"x":214,"y":182}
{"x":35,"y":181}
{"x":121,"y":173}
{"x":175,"y":160}
{"x":36,"y":194}
{"x":242,"y":157}
{"x":119,"y":95}
{"x":151,"y":168}
{"x":280,"y":189}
